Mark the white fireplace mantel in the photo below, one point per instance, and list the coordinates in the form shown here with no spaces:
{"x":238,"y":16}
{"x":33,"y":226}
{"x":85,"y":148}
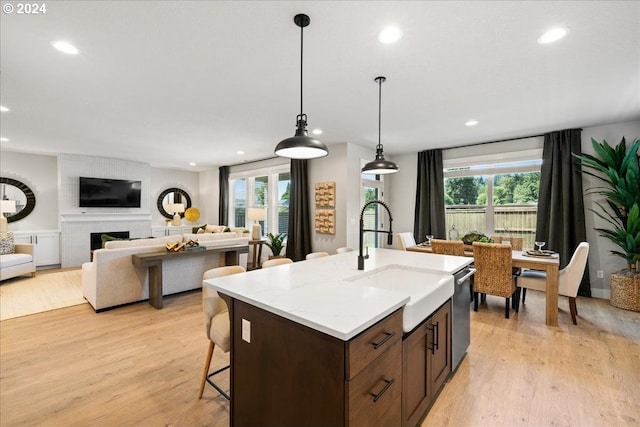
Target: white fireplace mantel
{"x":104,"y":216}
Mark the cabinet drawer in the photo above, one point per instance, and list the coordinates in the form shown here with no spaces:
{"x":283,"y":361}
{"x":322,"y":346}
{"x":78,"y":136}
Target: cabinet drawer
{"x":374,"y":395}
{"x":373,"y":342}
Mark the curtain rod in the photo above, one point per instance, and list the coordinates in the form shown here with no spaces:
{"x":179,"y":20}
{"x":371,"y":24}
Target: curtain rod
{"x":503,"y":140}
{"x":253,"y":161}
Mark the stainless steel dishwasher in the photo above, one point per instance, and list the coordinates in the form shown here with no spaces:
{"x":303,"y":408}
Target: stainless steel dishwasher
{"x":460,"y":315}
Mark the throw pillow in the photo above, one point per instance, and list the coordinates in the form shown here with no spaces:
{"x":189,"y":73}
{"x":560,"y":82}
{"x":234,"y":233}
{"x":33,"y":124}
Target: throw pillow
{"x":107,"y":238}
{"x":6,"y":243}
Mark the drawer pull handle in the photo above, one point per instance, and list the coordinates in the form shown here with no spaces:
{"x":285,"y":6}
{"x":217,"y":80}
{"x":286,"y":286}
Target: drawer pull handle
{"x":436,"y":335}
{"x":388,"y":336}
{"x":388,"y":384}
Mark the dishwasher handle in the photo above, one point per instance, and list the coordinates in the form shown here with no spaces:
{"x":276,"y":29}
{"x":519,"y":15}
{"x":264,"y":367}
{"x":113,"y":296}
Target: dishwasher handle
{"x":461,"y":280}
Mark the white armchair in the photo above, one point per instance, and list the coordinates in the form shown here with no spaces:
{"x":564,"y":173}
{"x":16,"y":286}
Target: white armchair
{"x":568,"y":281}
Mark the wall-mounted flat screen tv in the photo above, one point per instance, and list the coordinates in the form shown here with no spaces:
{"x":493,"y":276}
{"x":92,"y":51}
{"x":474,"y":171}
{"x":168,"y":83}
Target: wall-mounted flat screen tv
{"x":109,"y":193}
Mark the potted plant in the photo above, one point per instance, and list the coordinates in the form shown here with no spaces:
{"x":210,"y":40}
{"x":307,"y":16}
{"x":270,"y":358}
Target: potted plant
{"x":275,"y":242}
{"x":619,"y":169}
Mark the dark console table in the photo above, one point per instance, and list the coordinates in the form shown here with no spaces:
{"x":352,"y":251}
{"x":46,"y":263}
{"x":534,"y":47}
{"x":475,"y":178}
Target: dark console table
{"x":153,"y":261}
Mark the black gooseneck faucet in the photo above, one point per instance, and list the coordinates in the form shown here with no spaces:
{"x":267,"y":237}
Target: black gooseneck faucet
{"x":361,"y":256}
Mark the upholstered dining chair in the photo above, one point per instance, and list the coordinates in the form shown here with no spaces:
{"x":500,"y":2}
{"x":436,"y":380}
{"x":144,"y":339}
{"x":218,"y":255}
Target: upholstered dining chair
{"x":493,"y":275}
{"x":447,"y":247}
{"x":313,"y":255}
{"x":515,"y":242}
{"x":343,"y":250}
{"x":405,"y":240}
{"x":217,"y":324}
{"x":568,"y":280}
{"x":276,"y":261}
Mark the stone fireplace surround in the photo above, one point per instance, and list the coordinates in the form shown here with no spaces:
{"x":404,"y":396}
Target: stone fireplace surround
{"x":76,"y":228}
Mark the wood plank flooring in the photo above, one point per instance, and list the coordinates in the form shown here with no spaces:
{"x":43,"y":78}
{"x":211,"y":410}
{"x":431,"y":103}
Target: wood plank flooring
{"x":138,"y":366}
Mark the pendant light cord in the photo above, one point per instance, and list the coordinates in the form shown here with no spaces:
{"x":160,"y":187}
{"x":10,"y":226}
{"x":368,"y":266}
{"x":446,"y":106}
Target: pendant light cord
{"x":379,"y":112}
{"x":301,"y":62}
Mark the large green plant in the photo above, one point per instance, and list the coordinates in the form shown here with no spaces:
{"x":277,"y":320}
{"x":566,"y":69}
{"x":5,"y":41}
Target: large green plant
{"x":619,"y":169}
{"x":275,"y":242}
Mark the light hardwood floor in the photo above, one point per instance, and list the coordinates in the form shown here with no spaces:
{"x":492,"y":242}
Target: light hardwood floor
{"x":137,"y":366}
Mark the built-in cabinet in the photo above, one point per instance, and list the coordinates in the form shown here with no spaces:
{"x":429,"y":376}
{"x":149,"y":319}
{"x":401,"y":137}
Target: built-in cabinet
{"x":426,"y":364}
{"x":284,"y":372}
{"x":162,"y":231}
{"x":46,"y":245}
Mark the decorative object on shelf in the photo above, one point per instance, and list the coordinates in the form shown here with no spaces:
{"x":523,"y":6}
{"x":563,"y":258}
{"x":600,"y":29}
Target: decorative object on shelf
{"x":192,"y":214}
{"x":256,"y":215}
{"x":619,"y":169}
{"x":474,"y":236}
{"x":325,"y":221}
{"x":193,"y":245}
{"x":326,"y":195}
{"x":6,"y":206}
{"x":275,"y":242}
{"x":172,"y":195}
{"x":175,"y":246}
{"x":301,"y":146}
{"x":177,"y":209}
{"x":380,"y":165}
{"x":25,"y":199}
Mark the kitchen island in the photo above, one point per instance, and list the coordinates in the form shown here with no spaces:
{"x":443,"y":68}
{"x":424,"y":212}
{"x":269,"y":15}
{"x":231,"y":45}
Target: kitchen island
{"x":320,"y":343}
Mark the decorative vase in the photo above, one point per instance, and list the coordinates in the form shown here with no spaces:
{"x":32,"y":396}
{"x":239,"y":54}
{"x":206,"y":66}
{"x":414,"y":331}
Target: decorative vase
{"x":625,"y":290}
{"x":256,"y":232}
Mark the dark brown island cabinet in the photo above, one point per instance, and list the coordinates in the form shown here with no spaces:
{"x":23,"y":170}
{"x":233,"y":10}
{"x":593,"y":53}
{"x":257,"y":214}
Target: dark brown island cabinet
{"x":286,"y":374}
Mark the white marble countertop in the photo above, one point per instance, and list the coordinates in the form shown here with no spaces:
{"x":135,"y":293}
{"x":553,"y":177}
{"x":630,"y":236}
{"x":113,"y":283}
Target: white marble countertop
{"x":325,"y":293}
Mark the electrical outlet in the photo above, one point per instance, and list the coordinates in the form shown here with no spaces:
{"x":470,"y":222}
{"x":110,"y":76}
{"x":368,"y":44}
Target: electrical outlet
{"x":600,"y":274}
{"x":246,"y":330}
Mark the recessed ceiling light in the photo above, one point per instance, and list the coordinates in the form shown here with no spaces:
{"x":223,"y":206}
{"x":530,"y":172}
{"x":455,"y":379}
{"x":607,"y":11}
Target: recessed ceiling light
{"x":471,"y":123}
{"x":390,"y":35}
{"x":3,"y":139}
{"x":552,"y":35}
{"x":192,"y":164}
{"x":4,"y":109}
{"x":316,"y":131}
{"x":240,"y":153}
{"x":65,"y":47}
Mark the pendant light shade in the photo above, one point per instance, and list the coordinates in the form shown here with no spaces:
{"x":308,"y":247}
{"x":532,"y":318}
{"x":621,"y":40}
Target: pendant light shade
{"x":380,"y":165}
{"x":301,"y":146}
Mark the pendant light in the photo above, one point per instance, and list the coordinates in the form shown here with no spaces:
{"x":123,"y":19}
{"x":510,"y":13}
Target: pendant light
{"x":301,"y":146}
{"x":380,"y":165}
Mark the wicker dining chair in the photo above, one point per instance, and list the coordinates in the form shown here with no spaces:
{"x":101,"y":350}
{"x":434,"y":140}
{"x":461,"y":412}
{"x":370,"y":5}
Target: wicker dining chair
{"x":515,"y":242}
{"x":447,"y":247}
{"x":494,"y":276}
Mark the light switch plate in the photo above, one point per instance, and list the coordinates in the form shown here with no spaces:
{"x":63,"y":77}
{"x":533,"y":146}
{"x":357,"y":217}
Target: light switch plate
{"x":246,"y":330}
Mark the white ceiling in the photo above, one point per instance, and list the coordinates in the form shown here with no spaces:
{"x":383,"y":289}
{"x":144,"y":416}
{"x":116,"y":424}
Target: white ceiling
{"x":173,"y":82}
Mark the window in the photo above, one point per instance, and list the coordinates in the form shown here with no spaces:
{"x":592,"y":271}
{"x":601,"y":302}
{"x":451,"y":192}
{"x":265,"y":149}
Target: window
{"x":372,"y":189}
{"x":268,"y":188}
{"x":494,"y":199}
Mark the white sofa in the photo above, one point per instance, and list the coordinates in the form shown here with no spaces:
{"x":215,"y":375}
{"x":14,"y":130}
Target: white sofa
{"x":19,"y":263}
{"x":111,"y":279}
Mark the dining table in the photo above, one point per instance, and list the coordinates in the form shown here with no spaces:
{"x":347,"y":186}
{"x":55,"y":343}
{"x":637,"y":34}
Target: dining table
{"x":522,"y":259}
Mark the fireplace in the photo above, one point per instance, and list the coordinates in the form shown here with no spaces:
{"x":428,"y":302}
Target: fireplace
{"x":96,"y":238}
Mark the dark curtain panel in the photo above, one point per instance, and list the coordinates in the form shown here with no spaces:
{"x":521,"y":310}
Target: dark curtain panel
{"x":299,"y":232}
{"x":429,"y":209}
{"x":560,"y":221}
{"x":223,"y":203}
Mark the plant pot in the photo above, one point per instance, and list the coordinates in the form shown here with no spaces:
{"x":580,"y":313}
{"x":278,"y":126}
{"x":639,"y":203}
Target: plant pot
{"x":276,"y":256}
{"x":625,"y":290}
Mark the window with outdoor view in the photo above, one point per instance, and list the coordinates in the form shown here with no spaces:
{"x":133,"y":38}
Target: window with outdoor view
{"x":263,"y":188}
{"x":493,"y":199}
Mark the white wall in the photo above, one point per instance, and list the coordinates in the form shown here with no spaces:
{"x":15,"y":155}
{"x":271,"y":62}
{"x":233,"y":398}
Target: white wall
{"x":39,"y":173}
{"x":162,"y":179}
{"x":599,"y":250}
